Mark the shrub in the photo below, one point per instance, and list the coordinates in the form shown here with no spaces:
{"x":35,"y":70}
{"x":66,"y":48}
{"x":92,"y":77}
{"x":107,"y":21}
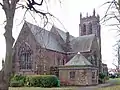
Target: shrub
{"x":42,"y":81}
{"x":58,"y":85}
{"x":107,"y":78}
{"x":34,"y":81}
{"x":103,"y":77}
{"x":17,"y":81}
{"x":18,"y":77}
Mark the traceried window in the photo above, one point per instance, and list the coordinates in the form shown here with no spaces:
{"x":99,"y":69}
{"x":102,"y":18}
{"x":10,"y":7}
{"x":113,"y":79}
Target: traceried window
{"x":72,"y":74}
{"x":25,"y":59}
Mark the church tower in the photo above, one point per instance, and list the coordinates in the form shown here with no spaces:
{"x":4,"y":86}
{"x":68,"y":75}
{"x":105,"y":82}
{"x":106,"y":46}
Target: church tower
{"x":91,"y":25}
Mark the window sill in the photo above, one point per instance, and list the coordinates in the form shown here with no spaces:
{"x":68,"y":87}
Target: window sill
{"x":73,"y":79}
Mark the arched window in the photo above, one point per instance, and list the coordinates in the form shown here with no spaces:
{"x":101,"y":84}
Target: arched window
{"x":84,"y":29}
{"x":25,"y":59}
{"x":90,"y":28}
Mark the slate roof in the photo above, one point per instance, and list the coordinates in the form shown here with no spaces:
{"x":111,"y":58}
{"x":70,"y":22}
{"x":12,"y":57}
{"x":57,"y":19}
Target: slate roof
{"x":82,"y":43}
{"x":78,"y":60}
{"x":45,"y":38}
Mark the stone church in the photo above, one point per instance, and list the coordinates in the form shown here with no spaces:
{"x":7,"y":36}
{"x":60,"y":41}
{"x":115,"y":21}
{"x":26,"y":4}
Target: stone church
{"x":39,"y":51}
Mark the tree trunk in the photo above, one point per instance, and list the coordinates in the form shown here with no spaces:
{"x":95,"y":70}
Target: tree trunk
{"x":6,"y":71}
{"x":8,"y":60}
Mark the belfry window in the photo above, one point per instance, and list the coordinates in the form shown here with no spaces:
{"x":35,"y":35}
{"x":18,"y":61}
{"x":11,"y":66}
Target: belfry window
{"x":25,"y":59}
{"x":84,"y":29}
{"x":90,"y":28}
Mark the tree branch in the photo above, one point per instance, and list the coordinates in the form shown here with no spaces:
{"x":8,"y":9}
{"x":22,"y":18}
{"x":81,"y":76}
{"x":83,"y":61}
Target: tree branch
{"x":13,"y":3}
{"x":107,"y":9}
{"x":32,"y":2}
{"x":21,"y":6}
{"x":115,"y":65}
{"x":23,"y":17}
{"x":1,"y":5}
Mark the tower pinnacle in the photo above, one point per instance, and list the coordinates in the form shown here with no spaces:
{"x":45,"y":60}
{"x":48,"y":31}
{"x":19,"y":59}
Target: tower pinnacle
{"x":94,"y":12}
{"x":80,"y":15}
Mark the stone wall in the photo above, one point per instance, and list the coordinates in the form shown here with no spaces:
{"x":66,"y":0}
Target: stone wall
{"x":42,"y":58}
{"x":83,"y":76}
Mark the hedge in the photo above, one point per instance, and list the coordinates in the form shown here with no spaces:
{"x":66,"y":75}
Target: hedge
{"x":17,"y":81}
{"x":34,"y":81}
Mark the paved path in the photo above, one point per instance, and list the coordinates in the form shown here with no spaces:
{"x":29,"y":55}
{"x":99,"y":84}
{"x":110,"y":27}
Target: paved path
{"x":109,"y":83}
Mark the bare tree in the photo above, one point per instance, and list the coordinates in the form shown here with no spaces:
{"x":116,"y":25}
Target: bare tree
{"x":116,"y":61}
{"x":113,"y":13}
{"x":9,"y":7}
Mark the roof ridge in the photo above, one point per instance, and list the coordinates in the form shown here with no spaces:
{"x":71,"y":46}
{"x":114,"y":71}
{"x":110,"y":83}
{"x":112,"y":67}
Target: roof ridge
{"x":61,"y":30}
{"x":35,"y":26}
{"x":58,"y":28}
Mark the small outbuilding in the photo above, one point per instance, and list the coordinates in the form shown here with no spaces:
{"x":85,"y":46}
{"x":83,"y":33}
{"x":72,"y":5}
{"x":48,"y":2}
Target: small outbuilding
{"x":79,"y":71}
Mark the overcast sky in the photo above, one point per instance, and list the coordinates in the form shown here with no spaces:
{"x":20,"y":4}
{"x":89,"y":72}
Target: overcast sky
{"x":68,"y":13}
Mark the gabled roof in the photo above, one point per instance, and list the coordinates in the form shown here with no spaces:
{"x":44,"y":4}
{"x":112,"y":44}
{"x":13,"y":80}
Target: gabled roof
{"x":83,"y":43}
{"x":78,"y":60}
{"x":45,"y":38}
{"x":61,"y":33}
{"x":48,"y":40}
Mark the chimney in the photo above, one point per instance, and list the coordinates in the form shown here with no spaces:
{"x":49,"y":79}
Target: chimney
{"x":68,"y":47}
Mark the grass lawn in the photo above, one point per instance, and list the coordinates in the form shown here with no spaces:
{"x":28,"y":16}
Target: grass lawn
{"x":38,"y":88}
{"x":117,"y":87}
{"x":115,"y":80}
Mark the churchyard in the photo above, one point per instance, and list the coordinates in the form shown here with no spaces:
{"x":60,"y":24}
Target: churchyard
{"x":114,"y":85}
